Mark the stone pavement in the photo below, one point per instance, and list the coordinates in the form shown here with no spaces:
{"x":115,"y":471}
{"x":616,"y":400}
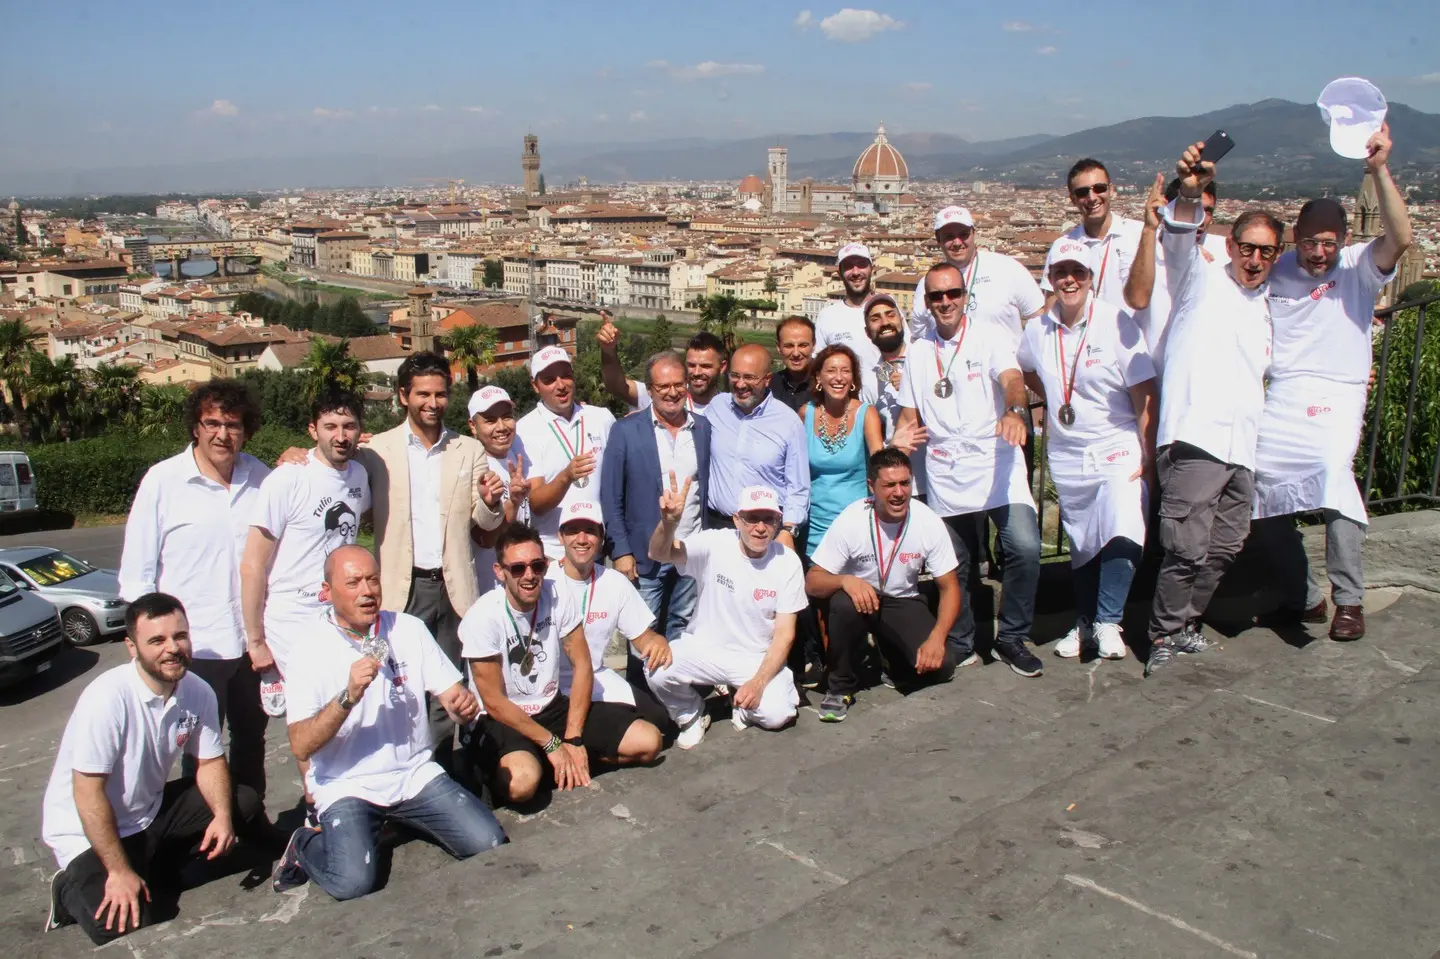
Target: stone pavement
{"x":1269,"y":798}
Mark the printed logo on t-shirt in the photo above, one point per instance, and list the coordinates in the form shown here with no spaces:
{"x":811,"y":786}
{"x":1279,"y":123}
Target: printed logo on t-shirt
{"x":1316,"y":410}
{"x":184,"y":727}
{"x":973,"y":366}
{"x":341,"y":523}
{"x":595,"y":615}
{"x":524,"y":658}
{"x":907,"y":558}
{"x":763,"y":594}
{"x":1321,"y":290}
{"x":725,"y":581}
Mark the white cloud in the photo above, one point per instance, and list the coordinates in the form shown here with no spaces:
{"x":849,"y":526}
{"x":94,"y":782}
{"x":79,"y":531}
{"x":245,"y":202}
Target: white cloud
{"x":325,"y":113}
{"x":856,"y":26}
{"x":638,"y":117}
{"x":430,"y":108}
{"x":919,"y":86}
{"x":709,"y":70}
{"x":1017,"y":26}
{"x":219,"y":108}
{"x":482,"y":111}
{"x":1046,"y":51}
{"x":1428,"y":78}
{"x":804,"y":20}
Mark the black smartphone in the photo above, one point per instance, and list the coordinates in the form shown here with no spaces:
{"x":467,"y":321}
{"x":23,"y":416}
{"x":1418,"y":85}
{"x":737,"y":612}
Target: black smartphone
{"x":1216,"y":147}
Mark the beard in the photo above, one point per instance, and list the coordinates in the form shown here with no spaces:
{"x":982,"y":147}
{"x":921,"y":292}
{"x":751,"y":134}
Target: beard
{"x":888,"y":339}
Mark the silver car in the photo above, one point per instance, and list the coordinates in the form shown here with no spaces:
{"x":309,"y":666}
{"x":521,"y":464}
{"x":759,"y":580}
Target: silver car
{"x":88,"y":598}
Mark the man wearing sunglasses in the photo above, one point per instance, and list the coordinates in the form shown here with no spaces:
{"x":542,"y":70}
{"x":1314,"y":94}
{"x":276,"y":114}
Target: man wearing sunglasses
{"x":1322,"y":296}
{"x":999,"y":289}
{"x":963,"y":384}
{"x":534,"y":734}
{"x":565,"y":441}
{"x":1114,"y":239}
{"x":1218,"y":354}
{"x":750,"y":592}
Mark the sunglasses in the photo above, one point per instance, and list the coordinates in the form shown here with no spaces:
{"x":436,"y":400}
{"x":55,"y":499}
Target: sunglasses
{"x":959,"y":232}
{"x":935,"y":296}
{"x":758,"y":519}
{"x":1061,"y":272}
{"x":536,"y":566}
{"x":1081,"y":192}
{"x":1267,"y":251}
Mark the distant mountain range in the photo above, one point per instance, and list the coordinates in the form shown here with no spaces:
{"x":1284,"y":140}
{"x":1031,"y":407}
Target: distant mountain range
{"x":1279,"y":144}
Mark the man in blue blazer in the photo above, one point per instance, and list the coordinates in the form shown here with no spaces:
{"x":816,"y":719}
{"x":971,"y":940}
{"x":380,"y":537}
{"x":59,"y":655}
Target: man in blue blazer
{"x":648,"y":448}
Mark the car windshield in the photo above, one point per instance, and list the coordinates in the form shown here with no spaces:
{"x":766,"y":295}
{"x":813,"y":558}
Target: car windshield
{"x":7,"y":585}
{"x":51,"y":569}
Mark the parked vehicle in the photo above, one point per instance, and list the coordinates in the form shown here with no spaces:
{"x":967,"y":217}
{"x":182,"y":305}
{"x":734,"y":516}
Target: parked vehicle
{"x":30,"y":633}
{"x":17,"y":483}
{"x":88,"y":598}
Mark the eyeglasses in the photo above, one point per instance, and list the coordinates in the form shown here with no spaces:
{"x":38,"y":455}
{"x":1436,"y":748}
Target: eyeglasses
{"x":216,"y":426}
{"x":758,"y":519}
{"x":957,"y":232}
{"x":749,"y":378}
{"x":1267,"y":251}
{"x":935,"y":296}
{"x":1310,"y":245}
{"x":665,"y":389}
{"x":1081,"y":192}
{"x":536,"y":566}
{"x":1061,"y":272}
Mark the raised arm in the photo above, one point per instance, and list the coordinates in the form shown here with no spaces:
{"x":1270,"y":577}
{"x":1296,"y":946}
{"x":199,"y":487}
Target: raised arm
{"x":664,"y":547}
{"x":1394,"y":218}
{"x":1140,"y":285}
{"x":611,"y":372}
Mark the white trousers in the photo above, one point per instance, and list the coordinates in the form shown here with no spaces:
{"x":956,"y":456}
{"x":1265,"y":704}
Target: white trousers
{"x":700,"y":661}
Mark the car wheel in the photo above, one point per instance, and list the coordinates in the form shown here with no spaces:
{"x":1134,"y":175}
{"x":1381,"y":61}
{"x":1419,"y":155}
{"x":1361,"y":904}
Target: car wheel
{"x":80,"y":628}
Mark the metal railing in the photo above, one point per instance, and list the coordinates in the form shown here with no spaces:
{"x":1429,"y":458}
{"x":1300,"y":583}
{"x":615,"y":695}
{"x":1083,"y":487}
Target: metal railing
{"x":1420,"y":435}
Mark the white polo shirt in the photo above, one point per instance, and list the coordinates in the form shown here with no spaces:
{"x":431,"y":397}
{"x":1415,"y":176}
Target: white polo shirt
{"x":1217,"y":353}
{"x":1113,"y":358}
{"x":186,"y":536}
{"x":124,"y":730}
{"x":1002,"y":292}
{"x":740,"y":597}
{"x":552,"y":442}
{"x":857,"y":545}
{"x":610,"y":605}
{"x":1115,"y":252}
{"x":381,"y":753}
{"x":528,"y":644}
{"x":1323,"y":324}
{"x":967,"y":467}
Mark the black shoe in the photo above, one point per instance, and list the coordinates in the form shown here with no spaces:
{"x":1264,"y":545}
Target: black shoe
{"x":289,"y":874}
{"x":813,"y":676}
{"x":58,"y":917}
{"x":1019,"y":658}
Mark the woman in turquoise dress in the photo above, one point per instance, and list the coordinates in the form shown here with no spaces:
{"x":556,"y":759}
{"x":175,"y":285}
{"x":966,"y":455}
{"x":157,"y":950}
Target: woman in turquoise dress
{"x":843,"y":433}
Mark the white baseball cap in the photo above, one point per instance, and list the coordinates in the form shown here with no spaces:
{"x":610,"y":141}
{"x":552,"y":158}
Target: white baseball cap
{"x":1355,"y":109}
{"x":1072,"y":251}
{"x":487,"y":398}
{"x":953,"y":214}
{"x":853,"y":249}
{"x":547,"y":357}
{"x":582,"y":510}
{"x":754,"y":498}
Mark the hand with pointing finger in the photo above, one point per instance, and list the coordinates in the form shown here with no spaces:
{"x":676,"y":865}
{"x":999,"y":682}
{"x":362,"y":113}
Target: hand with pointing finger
{"x":1155,"y":202}
{"x":609,"y":334}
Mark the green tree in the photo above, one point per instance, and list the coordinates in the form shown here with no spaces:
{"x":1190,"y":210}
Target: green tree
{"x":770,"y":283}
{"x":58,"y":396}
{"x":1393,"y":475}
{"x":1418,"y":290}
{"x":472,"y":347}
{"x":719,"y":314}
{"x":494,"y":274}
{"x":330,"y":365}
{"x":282,"y":397}
{"x":17,"y":348}
{"x":542,"y":184}
{"x":661,"y":338}
{"x":162,"y":407}
{"x":515,"y":380}
{"x":115,"y":394}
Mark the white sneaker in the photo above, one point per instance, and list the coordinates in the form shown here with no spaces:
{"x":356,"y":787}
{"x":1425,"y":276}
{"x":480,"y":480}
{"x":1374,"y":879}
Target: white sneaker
{"x":1111,"y":640}
{"x":694,"y":733}
{"x":1068,"y":647}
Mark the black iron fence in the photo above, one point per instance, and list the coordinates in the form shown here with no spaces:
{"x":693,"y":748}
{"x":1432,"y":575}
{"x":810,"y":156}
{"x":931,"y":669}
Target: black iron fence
{"x":1400,"y":448}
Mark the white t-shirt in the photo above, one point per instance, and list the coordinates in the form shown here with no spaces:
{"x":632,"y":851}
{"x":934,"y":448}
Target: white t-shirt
{"x":610,"y":604}
{"x":967,"y":467}
{"x":886,"y":401}
{"x":311,"y":510}
{"x":1115,"y":252}
{"x":381,"y":753}
{"x":1154,"y":320}
{"x":551,"y":442}
{"x":1323,"y":324}
{"x":1002,"y":291}
{"x":484,"y":556}
{"x":121,"y":728}
{"x":529,"y":657}
{"x":843,"y":324}
{"x":642,"y":400}
{"x":850,"y":545}
{"x":1113,"y":359}
{"x":740,"y":597}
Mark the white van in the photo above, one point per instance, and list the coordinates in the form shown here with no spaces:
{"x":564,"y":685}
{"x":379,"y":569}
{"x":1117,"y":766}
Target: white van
{"x":17,"y":483}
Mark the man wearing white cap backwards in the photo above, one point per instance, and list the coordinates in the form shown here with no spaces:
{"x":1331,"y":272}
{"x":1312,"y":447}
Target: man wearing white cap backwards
{"x":1322,"y":298}
{"x":750,"y":590}
{"x":1089,"y":360}
{"x":842,"y":321}
{"x":565,"y":441}
{"x":1217,"y":356}
{"x":1115,"y":239}
{"x":1000,"y":290}
{"x":492,"y":422}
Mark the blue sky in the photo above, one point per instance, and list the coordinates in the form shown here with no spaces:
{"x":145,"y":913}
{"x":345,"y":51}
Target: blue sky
{"x":113,"y":84}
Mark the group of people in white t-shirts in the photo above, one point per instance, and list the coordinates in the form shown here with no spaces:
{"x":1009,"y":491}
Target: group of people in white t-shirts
{"x":1188,"y":386}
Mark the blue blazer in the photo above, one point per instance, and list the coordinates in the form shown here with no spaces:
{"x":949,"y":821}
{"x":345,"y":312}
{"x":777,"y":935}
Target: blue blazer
{"x":630,"y":485}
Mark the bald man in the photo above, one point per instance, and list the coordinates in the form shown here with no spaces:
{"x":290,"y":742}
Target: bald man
{"x":755,"y":440}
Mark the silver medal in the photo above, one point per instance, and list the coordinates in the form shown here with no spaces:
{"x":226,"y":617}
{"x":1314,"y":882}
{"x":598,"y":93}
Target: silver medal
{"x":1067,"y":415}
{"x":944,"y":387}
{"x":582,"y":482}
{"x":375,"y":647}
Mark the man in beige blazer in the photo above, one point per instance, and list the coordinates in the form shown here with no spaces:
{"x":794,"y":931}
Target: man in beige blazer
{"x":428,"y":485}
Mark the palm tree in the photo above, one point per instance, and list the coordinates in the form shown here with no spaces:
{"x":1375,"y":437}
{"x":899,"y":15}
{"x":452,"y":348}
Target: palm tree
{"x":719,"y":314}
{"x":115,"y":392}
{"x":58,"y":390}
{"x":472,"y":347}
{"x":330,"y":365}
{"x":161,"y":407}
{"x":17,"y":347}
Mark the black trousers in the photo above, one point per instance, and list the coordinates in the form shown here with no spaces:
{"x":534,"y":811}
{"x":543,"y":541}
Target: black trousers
{"x":900,"y":628}
{"x":237,"y":695}
{"x":157,"y":853}
{"x":430,"y":603}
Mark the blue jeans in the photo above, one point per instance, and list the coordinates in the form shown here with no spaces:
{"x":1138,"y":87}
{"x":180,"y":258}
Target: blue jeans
{"x":340,"y":858}
{"x":1019,"y":532}
{"x":1103,"y":584}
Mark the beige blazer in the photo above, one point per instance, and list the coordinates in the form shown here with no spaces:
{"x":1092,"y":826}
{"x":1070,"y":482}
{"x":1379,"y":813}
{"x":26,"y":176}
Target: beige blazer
{"x":385,"y":459}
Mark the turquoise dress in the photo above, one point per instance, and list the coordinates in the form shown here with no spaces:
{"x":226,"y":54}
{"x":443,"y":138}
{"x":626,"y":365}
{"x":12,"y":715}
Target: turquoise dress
{"x":836,"y":479}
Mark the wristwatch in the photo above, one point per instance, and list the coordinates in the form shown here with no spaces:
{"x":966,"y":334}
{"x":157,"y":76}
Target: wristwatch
{"x":552,"y":745}
{"x":789,"y":528}
{"x":344,"y":701}
{"x":573,"y":741}
{"x":1018,"y":410}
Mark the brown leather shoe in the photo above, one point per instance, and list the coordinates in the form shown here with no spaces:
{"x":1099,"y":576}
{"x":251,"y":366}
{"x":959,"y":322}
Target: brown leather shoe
{"x":1280,"y":618}
{"x":1348,"y":624}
